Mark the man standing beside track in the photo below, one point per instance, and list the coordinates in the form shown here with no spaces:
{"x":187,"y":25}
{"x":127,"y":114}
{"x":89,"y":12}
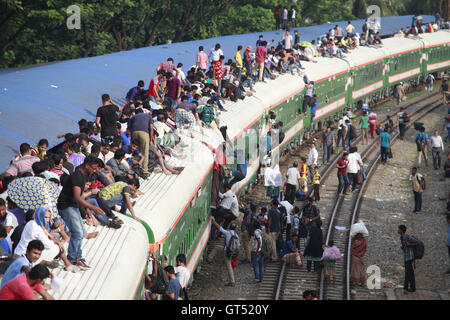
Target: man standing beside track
{"x":418,"y":183}
{"x":402,"y":118}
{"x":327,"y":144}
{"x":421,"y":142}
{"x":385,"y":145}
{"x":292,"y":180}
{"x":407,"y":242}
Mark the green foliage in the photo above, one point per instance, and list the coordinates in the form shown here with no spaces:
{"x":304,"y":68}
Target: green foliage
{"x":36,"y":31}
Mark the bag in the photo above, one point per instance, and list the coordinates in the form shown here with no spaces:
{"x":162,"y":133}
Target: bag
{"x":300,"y":195}
{"x":329,"y":255}
{"x":405,"y":117}
{"x":233,"y":247}
{"x":389,"y":153}
{"x":418,"y":250}
{"x":281,"y":136}
{"x":162,"y":281}
{"x":422,"y":182}
{"x":420,"y":142}
{"x":226,"y":172}
{"x":208,"y":114}
{"x":428,"y":79}
{"x":266,"y":246}
{"x":358,"y":227}
{"x":360,"y":178}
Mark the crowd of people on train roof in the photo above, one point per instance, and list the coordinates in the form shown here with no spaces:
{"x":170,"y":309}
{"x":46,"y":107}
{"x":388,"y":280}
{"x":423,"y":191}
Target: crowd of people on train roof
{"x":96,"y":170}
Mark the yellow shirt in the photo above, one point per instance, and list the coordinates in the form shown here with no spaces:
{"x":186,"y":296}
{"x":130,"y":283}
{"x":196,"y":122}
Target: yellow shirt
{"x":238,"y":59}
{"x":316,"y":178}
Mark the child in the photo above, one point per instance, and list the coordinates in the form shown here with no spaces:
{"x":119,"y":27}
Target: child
{"x":329,"y":257}
{"x":316,"y":184}
{"x":303,"y":190}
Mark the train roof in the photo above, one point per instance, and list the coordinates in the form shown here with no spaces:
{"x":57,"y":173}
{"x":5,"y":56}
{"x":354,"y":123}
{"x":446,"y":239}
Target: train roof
{"x":436,"y":38}
{"x":397,"y":45}
{"x":117,"y":258}
{"x":46,"y":100}
{"x":324,"y":68}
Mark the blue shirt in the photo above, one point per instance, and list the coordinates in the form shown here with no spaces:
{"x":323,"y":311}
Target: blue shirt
{"x":125,"y":140}
{"x":15,"y":269}
{"x":315,"y":105}
{"x":241,"y":163}
{"x":385,"y":138}
{"x":287,"y":248}
{"x":173,"y":287}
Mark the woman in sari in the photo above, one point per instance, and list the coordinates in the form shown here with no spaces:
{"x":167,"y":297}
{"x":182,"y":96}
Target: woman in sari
{"x":358,"y":270}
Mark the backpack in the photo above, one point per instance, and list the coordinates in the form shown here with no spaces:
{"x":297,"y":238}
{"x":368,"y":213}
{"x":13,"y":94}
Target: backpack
{"x":352,"y":132}
{"x":208,"y":114}
{"x":418,"y":250}
{"x":266,"y":246}
{"x":233,"y":247}
{"x":422,"y":182}
{"x":281,"y":136}
{"x":420,"y":142}
{"x":162,"y":281}
{"x":428,"y":79}
{"x":405,"y":117}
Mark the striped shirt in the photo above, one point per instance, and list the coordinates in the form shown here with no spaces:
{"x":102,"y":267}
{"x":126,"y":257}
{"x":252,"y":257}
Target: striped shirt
{"x":22,"y":165}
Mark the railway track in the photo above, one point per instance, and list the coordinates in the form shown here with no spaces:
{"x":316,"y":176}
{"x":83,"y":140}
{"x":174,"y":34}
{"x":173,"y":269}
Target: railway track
{"x":282,"y":282}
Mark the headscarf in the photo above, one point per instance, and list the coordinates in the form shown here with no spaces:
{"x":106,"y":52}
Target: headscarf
{"x":277,"y":178}
{"x":40,"y":218}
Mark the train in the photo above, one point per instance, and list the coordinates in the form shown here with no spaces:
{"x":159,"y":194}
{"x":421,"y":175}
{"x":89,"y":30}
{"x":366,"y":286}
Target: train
{"x":175,"y":210}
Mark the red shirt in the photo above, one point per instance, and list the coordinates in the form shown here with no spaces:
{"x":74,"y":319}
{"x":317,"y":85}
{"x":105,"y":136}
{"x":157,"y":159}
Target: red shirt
{"x":343,"y":171}
{"x":19,"y":289}
{"x":218,"y":69}
{"x":261,"y":53}
{"x":151,"y":92}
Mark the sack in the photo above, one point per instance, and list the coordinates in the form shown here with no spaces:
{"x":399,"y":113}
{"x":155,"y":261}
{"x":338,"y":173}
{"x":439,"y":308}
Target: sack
{"x":266,"y":246}
{"x":233,"y":247}
{"x":358,"y":227}
{"x":418,"y":250}
{"x":420,"y":142}
{"x":162,"y":281}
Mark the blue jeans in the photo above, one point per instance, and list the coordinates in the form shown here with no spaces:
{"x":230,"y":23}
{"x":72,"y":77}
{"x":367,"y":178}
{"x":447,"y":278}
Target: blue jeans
{"x":217,"y":100}
{"x":417,"y":201}
{"x":258,"y":266}
{"x":327,"y":153}
{"x":248,"y":66}
{"x":72,"y":219}
{"x":248,"y":82}
{"x":293,"y":23}
{"x":430,"y":88}
{"x":172,"y":103}
{"x":237,"y":176}
{"x":100,"y":217}
{"x":106,"y":205}
{"x":346,"y":141}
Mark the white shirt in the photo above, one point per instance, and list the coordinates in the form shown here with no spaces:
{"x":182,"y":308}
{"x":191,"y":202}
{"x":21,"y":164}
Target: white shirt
{"x":215,"y":54}
{"x":436,"y":142}
{"x":107,"y":157}
{"x":183,"y":275}
{"x":288,"y":41}
{"x":353,"y":165}
{"x":312,"y":158}
{"x":181,"y":75}
{"x":293,"y":14}
{"x":289,"y":207}
{"x":229,"y":202}
{"x":32,"y":231}
{"x":258,"y":235}
{"x":292,"y":176}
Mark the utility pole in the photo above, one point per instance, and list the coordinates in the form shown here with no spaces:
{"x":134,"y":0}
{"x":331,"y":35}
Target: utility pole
{"x":446,"y":10}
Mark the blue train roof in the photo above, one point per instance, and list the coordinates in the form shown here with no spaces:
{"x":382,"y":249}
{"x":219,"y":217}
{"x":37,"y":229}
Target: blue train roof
{"x":46,"y":100}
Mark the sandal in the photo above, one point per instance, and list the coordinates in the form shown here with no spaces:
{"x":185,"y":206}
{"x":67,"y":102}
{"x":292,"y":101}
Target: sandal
{"x":116,"y":219}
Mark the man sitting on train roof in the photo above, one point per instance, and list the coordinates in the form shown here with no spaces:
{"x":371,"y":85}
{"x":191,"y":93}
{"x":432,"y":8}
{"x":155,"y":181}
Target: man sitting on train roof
{"x":22,"y":163}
